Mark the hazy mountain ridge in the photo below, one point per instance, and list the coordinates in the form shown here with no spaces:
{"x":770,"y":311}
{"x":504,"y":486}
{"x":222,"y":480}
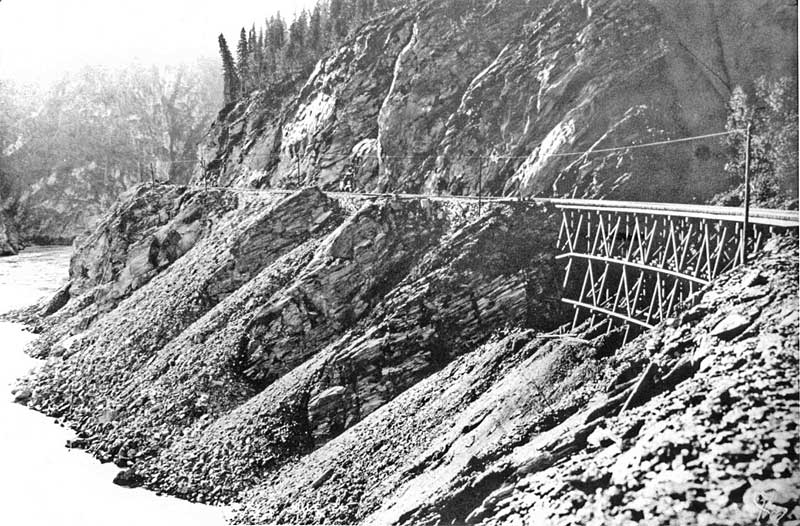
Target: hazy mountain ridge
{"x":69,"y":151}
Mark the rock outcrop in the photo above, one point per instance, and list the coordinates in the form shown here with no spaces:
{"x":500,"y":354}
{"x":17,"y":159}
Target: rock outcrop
{"x":146,"y":232}
{"x":141,"y":236}
{"x":9,"y":237}
{"x":493,"y":97}
{"x":419,"y":327}
{"x":288,"y":320}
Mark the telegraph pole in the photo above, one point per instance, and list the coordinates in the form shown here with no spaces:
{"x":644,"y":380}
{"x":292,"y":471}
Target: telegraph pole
{"x":480,"y":183}
{"x":746,"y":229}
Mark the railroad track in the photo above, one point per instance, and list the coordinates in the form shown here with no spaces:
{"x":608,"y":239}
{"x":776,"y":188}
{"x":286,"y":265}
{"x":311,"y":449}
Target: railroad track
{"x":763,"y":216}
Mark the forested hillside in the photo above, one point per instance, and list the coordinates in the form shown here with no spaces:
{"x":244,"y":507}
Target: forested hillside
{"x":278,"y":50}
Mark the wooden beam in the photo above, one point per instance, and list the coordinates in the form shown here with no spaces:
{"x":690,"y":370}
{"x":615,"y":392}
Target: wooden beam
{"x":622,"y":262}
{"x":608,"y":312}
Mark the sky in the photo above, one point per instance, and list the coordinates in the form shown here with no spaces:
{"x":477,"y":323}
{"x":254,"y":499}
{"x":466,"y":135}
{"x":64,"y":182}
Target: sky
{"x":40,"y":40}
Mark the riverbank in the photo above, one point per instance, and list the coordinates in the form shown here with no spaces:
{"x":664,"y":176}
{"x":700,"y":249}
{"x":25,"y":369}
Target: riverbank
{"x":42,"y":482}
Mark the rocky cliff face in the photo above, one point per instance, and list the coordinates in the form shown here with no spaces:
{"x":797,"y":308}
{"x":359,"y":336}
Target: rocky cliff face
{"x":462,"y":97}
{"x":9,"y":237}
{"x":274,"y":323}
{"x":69,"y":203}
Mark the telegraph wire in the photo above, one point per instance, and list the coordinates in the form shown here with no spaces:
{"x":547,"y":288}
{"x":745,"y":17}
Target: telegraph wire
{"x":648,"y":144}
{"x":495,"y":157}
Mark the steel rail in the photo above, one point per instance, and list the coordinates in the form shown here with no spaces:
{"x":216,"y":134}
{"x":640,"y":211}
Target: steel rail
{"x":765,"y":216}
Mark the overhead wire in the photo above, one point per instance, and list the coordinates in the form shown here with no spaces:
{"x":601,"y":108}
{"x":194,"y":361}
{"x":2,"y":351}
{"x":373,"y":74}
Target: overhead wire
{"x":496,"y":157}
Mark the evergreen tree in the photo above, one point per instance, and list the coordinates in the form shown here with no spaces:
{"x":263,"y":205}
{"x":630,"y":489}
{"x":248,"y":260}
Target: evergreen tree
{"x":231,"y":79}
{"x":258,"y":58}
{"x":277,"y":32}
{"x":252,"y":63}
{"x":315,"y":31}
{"x":242,"y":63}
{"x":338,"y":19}
{"x":251,"y":39}
{"x":297,"y":38}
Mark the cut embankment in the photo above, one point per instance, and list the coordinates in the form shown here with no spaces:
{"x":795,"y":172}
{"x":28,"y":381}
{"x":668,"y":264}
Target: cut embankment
{"x":86,"y":384}
{"x":386,"y":363}
{"x":419,"y":326}
{"x":267,"y":339}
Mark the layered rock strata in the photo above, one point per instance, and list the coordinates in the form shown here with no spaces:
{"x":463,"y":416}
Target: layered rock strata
{"x":287,"y":321}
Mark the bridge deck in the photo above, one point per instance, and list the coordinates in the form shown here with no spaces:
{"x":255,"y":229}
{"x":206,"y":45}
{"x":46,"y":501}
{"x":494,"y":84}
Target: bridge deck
{"x":764,"y":216}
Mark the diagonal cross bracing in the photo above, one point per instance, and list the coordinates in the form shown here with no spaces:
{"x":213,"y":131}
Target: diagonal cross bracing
{"x":636,"y":263}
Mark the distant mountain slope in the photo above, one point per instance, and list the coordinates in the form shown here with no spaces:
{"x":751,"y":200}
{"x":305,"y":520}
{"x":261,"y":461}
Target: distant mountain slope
{"x":69,"y":151}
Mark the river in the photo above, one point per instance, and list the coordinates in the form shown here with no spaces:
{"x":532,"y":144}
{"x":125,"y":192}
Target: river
{"x":41,"y":481}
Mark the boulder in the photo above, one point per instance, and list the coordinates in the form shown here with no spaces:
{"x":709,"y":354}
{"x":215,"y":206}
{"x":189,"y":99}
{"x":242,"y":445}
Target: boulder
{"x":731,"y":326}
{"x":22,"y":396}
{"x":58,"y":300}
{"x":128,"y":478}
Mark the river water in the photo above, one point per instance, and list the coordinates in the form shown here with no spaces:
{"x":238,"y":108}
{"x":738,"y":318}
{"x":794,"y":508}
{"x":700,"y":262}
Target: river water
{"x":41,"y":481}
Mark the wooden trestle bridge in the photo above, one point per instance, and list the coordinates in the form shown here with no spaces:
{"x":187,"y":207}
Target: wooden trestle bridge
{"x":632,"y":264}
